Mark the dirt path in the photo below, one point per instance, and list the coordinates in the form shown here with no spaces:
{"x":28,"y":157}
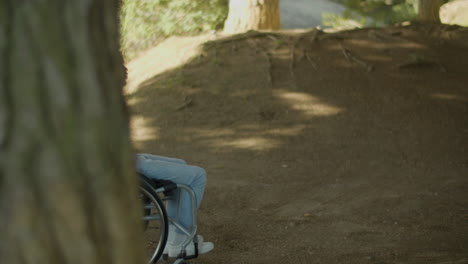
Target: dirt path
{"x":343,"y":148}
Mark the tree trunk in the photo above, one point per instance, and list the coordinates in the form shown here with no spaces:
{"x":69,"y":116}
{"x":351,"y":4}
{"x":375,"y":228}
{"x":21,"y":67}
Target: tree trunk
{"x":252,"y":15}
{"x":67,"y":183}
{"x":429,"y":10}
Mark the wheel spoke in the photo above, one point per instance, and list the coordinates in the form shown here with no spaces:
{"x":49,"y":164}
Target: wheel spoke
{"x":151,"y":217}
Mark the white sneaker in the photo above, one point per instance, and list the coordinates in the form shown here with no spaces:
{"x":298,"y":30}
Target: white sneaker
{"x":175,"y":240}
{"x":174,"y":250}
{"x":166,"y":248}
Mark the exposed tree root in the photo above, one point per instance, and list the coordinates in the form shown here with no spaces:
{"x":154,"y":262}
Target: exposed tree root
{"x":188,"y":101}
{"x":248,"y":35}
{"x":268,"y":60}
{"x":310,"y":60}
{"x":355,"y":59}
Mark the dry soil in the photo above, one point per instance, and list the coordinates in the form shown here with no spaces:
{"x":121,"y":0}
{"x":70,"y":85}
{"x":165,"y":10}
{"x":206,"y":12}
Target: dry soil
{"x":347,"y":147}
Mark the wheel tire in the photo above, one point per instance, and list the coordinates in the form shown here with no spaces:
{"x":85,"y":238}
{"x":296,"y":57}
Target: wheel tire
{"x":154,"y":207}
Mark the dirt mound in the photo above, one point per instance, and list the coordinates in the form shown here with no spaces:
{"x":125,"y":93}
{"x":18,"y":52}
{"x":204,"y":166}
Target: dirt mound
{"x":321,"y":148}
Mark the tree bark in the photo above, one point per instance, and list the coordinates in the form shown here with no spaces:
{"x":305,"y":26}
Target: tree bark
{"x":67,"y":183}
{"x":429,"y":10}
{"x":252,"y":15}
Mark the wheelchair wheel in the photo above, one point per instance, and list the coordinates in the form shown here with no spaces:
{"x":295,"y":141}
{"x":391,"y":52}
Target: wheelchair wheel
{"x":155,"y":223}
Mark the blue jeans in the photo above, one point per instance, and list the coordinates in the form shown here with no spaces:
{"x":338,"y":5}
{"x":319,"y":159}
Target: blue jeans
{"x":177,"y":171}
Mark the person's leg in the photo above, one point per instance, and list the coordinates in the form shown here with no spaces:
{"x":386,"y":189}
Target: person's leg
{"x":161,"y":158}
{"x":193,"y":176}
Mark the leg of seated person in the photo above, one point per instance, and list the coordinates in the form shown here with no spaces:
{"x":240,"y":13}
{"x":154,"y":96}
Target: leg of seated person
{"x":181,"y":206}
{"x":161,"y":158}
{"x":193,"y":176}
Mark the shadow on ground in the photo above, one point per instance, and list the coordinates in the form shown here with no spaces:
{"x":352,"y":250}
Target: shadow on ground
{"x":322,"y":148}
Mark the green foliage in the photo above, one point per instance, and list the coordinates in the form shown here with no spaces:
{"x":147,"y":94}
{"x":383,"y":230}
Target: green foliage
{"x":144,"y":23}
{"x":343,"y":22}
{"x":360,"y":13}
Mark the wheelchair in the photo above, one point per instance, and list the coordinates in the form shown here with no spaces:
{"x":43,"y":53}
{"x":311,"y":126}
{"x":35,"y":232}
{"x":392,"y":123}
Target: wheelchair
{"x":153,"y":194}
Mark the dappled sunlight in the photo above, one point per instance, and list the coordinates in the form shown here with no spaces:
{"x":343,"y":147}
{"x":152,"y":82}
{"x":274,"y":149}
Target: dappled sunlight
{"x":307,"y":104}
{"x":408,"y":44}
{"x":283,"y":54}
{"x":292,"y":130}
{"x":230,"y":137}
{"x":210,"y":133}
{"x":445,"y":96}
{"x":131,"y":101}
{"x":397,"y":43}
{"x":286,"y":131}
{"x":142,"y":130}
{"x":251,"y":143}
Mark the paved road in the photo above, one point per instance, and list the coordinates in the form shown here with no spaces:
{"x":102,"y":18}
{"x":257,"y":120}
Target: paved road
{"x":306,"y":13}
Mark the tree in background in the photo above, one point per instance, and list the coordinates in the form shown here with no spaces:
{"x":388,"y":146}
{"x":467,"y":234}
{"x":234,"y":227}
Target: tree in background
{"x":428,"y":10}
{"x":146,"y":23}
{"x":360,"y":13}
{"x":252,"y":15}
{"x":68,"y":191}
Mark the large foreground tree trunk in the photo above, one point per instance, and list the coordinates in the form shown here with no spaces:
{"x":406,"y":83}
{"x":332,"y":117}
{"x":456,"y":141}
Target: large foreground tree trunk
{"x":67,"y":184}
{"x":252,"y":15}
{"x":429,"y":10}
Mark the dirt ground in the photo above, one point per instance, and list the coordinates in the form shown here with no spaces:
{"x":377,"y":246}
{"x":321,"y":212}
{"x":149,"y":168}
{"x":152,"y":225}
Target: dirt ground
{"x":349,"y":147}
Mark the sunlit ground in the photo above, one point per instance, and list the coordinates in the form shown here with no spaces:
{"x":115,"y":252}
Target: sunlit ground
{"x":445,"y":96}
{"x":170,"y":54}
{"x":307,"y":104}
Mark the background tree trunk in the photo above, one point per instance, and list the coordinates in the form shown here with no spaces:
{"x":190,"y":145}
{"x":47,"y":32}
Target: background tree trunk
{"x":429,"y":10}
{"x":252,"y":15}
{"x":67,"y":184}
